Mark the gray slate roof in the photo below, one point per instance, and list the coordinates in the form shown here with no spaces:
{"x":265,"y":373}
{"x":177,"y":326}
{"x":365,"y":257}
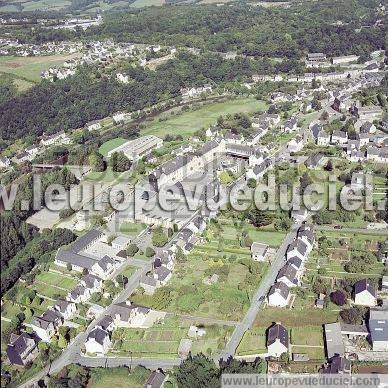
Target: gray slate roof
{"x":277,"y":331}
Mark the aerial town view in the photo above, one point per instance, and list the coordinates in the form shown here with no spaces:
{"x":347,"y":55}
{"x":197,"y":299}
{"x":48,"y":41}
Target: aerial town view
{"x":194,"y":193}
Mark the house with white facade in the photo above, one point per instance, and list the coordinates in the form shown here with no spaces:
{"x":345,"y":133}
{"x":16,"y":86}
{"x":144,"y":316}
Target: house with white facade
{"x":279,"y":295}
{"x":365,"y":293}
{"x":98,"y":342}
{"x":277,"y":340}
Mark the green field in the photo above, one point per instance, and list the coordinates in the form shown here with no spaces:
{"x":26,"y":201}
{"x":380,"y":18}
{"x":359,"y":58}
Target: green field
{"x":147,"y":3}
{"x":29,"y":68}
{"x":111,"y":144}
{"x":253,"y":342}
{"x":118,"y":377}
{"x":187,"y":123}
{"x":131,"y":228}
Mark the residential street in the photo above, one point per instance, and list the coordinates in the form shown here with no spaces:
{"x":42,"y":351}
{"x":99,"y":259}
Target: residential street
{"x":259,"y":297}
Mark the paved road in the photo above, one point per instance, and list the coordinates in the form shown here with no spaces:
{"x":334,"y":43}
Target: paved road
{"x":111,"y":362}
{"x":259,"y":297}
{"x":379,"y":232}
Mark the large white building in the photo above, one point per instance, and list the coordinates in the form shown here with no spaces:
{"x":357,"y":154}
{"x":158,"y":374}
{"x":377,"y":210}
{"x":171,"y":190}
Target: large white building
{"x":137,"y":148}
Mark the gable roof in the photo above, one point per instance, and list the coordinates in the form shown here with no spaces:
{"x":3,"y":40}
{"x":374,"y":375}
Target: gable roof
{"x":378,"y":324}
{"x":280,"y":288}
{"x":98,"y":335}
{"x":277,"y":332}
{"x":365,"y":285}
{"x":289,"y":272}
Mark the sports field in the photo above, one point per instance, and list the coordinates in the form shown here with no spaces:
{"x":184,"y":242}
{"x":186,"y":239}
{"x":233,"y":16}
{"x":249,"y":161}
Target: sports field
{"x":111,"y":144}
{"x":187,"y":123}
{"x":30,"y":68}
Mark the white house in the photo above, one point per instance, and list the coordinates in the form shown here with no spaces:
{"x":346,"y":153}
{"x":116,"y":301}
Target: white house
{"x":288,"y":276}
{"x":297,"y":248}
{"x":296,"y":144}
{"x":120,"y":117}
{"x":92,"y":283}
{"x":129,"y":315}
{"x":290,"y":125}
{"x":45,"y":326}
{"x":65,"y":308}
{"x":339,"y":138}
{"x":259,"y":251}
{"x":299,"y":215}
{"x":4,"y":162}
{"x":277,"y":341}
{"x":323,"y":138}
{"x":93,"y":125}
{"x":104,"y":267}
{"x":279,"y":295}
{"x":79,"y":294}
{"x":121,"y":242}
{"x":98,"y":342}
{"x":365,"y":293}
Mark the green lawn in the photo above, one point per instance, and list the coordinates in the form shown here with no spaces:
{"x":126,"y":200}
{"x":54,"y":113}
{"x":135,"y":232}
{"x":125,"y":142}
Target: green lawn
{"x":30,"y":68}
{"x":147,"y":3}
{"x":118,"y":377}
{"x":131,"y":228}
{"x":253,"y":342}
{"x":111,"y":144}
{"x":57,"y":280}
{"x":187,"y":123}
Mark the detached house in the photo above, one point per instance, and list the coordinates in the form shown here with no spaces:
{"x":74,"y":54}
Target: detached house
{"x":129,"y":315}
{"x":259,"y":251}
{"x":103,"y":268}
{"x":365,"y":293}
{"x":79,"y":294}
{"x":277,"y":341}
{"x":323,"y":138}
{"x":339,"y":138}
{"x":98,"y":342}
{"x":279,"y":295}
{"x":46,"y":325}
{"x":290,"y":125}
{"x":22,"y":349}
{"x":92,"y":283}
{"x":295,"y":145}
{"x":65,"y":308}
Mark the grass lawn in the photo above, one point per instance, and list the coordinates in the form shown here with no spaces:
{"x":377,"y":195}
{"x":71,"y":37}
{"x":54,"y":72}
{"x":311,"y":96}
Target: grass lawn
{"x":29,"y":68}
{"x":131,"y":228}
{"x":187,"y":123}
{"x":147,"y":3}
{"x":311,"y":335}
{"x":129,"y":271}
{"x":57,"y":280}
{"x":253,"y":342}
{"x":314,"y":353}
{"x":111,"y":144}
{"x":118,"y":377}
{"x":292,"y":318}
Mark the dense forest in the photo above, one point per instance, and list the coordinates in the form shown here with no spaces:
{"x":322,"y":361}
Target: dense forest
{"x":70,"y":103}
{"x":17,"y":234}
{"x":334,"y":27}
{"x":273,"y":32}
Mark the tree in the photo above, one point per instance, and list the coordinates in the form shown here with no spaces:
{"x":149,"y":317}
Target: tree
{"x":119,"y":162}
{"x":159,"y":238}
{"x":251,"y":183}
{"x":149,"y":252}
{"x":329,"y":166}
{"x":96,"y":161}
{"x":259,"y":218}
{"x":197,"y":372}
{"x":132,"y":249}
{"x":338,"y":297}
{"x":352,"y":316}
